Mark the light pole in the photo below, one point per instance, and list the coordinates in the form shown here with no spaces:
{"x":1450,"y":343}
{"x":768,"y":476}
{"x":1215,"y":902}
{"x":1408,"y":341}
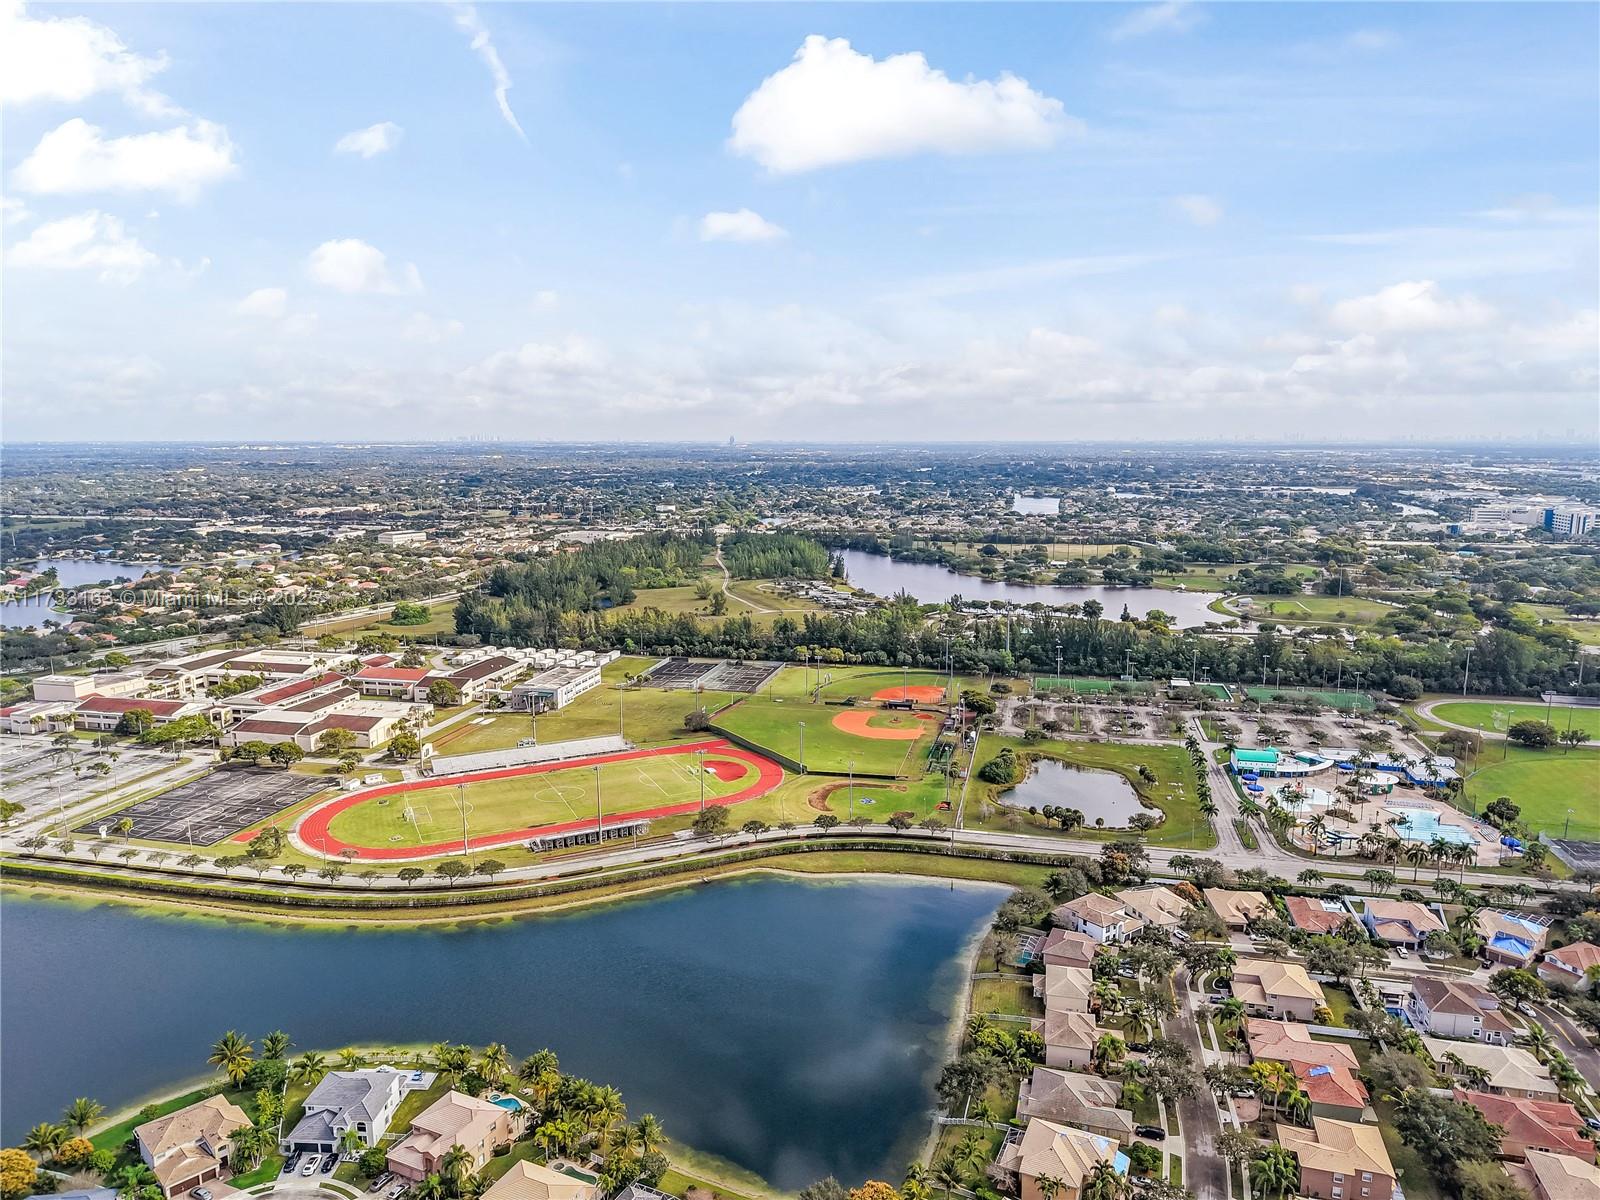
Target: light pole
{"x":702,"y":781}
{"x":852,"y":788}
{"x":1263,"y":670}
{"x":599,"y":812}
{"x":802,"y":745}
{"x":1467,"y":673}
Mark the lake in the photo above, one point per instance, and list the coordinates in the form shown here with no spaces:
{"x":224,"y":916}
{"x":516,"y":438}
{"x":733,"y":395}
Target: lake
{"x":72,"y":573}
{"x":792,"y":1027}
{"x":1101,"y":796}
{"x":932,"y":583}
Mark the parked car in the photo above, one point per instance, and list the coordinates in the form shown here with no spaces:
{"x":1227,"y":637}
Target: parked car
{"x":310,"y":1167}
{"x":201,"y":1193}
{"x":1592,"y":1122}
{"x":1139,"y":1047}
{"x":329,"y":1162}
{"x":290,"y":1163}
{"x":1153,"y":1132}
{"x":396,"y":1191}
{"x":1401,"y":952}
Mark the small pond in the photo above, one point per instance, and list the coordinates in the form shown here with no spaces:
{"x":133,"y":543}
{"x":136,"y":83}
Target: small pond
{"x":1103,"y":797}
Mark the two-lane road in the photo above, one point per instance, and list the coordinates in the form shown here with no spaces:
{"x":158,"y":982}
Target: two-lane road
{"x":1203,"y":1171}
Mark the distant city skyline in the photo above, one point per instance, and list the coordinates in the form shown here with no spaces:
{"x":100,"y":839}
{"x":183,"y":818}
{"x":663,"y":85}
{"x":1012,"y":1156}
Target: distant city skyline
{"x":1364,"y":224}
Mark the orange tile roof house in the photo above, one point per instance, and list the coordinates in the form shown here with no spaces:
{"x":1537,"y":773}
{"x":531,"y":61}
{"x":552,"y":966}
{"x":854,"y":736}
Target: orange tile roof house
{"x":1568,"y":965}
{"x":1340,"y":1159}
{"x":1551,"y":1125}
{"x":1270,"y":988}
{"x":192,"y":1146}
{"x":1314,"y":915}
{"x":1457,"y":1008}
{"x":1326,"y":1070}
{"x":455,"y":1119}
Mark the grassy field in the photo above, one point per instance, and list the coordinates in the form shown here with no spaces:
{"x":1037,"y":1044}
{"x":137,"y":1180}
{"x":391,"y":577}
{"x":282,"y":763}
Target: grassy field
{"x":1084,"y":687}
{"x":1545,"y":783}
{"x":1331,"y":699}
{"x":1317,"y":609}
{"x":435,"y":815}
{"x":1173,"y":792}
{"x":1008,"y":997}
{"x":1492,"y":717}
{"x":777,"y":724}
{"x":839,"y":682}
{"x":1587,"y":632}
{"x":756,"y":599}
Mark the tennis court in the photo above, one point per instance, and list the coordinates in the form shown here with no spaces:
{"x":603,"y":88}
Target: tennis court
{"x":679,"y":673}
{"x":214,"y":807}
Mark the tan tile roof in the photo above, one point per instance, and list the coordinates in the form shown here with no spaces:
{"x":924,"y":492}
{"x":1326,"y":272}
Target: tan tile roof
{"x":213,"y":1118}
{"x":1068,"y":987}
{"x":1159,"y":905}
{"x":1236,"y":907}
{"x":1286,"y":1040}
{"x":1509,"y":1067}
{"x":1071,"y":1030}
{"x":1095,"y":908}
{"x":1067,"y":1154}
{"x":1562,"y":1177}
{"x":535,"y":1181}
{"x":1077,"y":948}
{"x":1274,"y":978}
{"x":1342,"y":1146}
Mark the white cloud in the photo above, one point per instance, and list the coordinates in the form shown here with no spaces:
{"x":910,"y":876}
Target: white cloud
{"x":78,"y":157}
{"x":834,"y":105}
{"x":1198,"y":210}
{"x":270,"y":302}
{"x":371,"y":141}
{"x":1172,"y":16}
{"x":68,"y":59}
{"x":468,"y":21}
{"x":1411,"y":307}
{"x":93,"y":241}
{"x":1372,"y":40}
{"x":741,"y":226}
{"x":351,"y":265}
{"x":14,"y":211}
{"x":544,"y":301}
{"x":428,"y":329}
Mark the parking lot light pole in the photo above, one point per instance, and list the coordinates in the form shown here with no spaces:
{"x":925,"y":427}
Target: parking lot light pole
{"x":702,"y":781}
{"x":852,"y":788}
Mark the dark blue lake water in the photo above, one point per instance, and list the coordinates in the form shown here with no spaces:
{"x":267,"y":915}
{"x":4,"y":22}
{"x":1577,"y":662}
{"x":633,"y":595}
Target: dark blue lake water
{"x":791,"y":1027}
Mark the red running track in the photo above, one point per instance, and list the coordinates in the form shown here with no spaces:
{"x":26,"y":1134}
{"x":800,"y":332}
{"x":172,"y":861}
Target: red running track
{"x":312,"y":828}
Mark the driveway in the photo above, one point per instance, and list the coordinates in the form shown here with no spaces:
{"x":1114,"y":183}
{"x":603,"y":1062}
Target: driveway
{"x":1204,"y":1173}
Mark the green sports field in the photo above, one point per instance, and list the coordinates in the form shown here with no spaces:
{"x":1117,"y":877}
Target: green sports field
{"x":1329,"y":698}
{"x":1497,"y":718}
{"x":1318,"y":610}
{"x":1087,"y":686}
{"x":1545,"y":783}
{"x":839,"y":682}
{"x":432,"y":815}
{"x":776,"y":724}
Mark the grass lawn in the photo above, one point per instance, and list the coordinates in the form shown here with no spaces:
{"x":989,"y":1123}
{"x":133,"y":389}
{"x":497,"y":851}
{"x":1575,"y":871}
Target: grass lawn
{"x":1340,"y":1003}
{"x":441,"y":619}
{"x":1415,"y":1176}
{"x":524,"y":1151}
{"x":777,"y":724}
{"x":839,"y":682}
{"x":1331,"y":699}
{"x":1545,"y":783}
{"x":1493,"y":717}
{"x":1173,"y":791}
{"x":1008,"y":997}
{"x":550,"y":797}
{"x":1317,"y":610}
{"x":1086,"y":686}
{"x":1585,"y":631}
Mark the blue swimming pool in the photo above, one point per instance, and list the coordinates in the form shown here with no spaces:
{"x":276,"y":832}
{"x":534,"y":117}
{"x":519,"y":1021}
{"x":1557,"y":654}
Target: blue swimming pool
{"x":1422,"y":825}
{"x":509,"y":1103}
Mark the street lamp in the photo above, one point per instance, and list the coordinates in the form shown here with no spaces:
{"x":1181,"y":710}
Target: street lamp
{"x":1467,"y":673}
{"x":852,"y":788}
{"x":599,"y":812}
{"x":802,"y":745}
{"x":702,"y":781}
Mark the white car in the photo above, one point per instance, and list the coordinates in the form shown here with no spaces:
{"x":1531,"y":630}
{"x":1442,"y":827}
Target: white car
{"x":309,"y":1167}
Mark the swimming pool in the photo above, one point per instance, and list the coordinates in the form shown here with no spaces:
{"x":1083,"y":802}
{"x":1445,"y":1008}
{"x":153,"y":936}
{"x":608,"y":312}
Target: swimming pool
{"x":509,"y":1103}
{"x":1423,"y":825}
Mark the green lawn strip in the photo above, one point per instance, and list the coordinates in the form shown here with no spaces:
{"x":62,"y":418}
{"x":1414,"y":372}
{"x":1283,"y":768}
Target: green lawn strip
{"x":1340,"y":1003}
{"x":1007,"y":997}
{"x":1317,"y":610}
{"x":1247,"y":834}
{"x":523,"y":1151}
{"x":1492,"y":716}
{"x":696,"y":1168}
{"x":1584,"y":631}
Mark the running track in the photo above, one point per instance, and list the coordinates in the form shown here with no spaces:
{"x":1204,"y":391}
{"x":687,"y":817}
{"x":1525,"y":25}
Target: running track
{"x":312,"y":829}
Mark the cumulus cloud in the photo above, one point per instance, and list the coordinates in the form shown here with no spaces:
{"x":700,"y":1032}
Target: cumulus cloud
{"x":90,"y":241}
{"x":270,"y":302}
{"x":350,"y":265}
{"x":77,"y":157}
{"x":371,"y":141}
{"x":468,"y":21}
{"x":13,"y":211}
{"x":1172,"y":16}
{"x":68,"y":59}
{"x":1411,"y":307}
{"x":741,"y":226}
{"x":1198,"y":210}
{"x":834,"y":105}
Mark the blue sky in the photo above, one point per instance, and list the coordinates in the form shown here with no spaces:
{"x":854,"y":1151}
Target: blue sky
{"x":809,"y":221}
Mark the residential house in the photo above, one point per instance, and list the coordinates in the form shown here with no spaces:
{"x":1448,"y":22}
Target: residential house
{"x":1557,"y":1176}
{"x":1508,"y":1070}
{"x":1400,"y":922}
{"x":191,"y":1146}
{"x":363,"y":1101}
{"x":1269,"y":988}
{"x":1326,"y":1070}
{"x":1510,"y":940}
{"x":536,"y":1181}
{"x":1089,"y":1102}
{"x":1099,"y":917}
{"x":1047,"y":1150}
{"x":455,"y":1119}
{"x":1550,"y":1125}
{"x":1157,"y":905}
{"x":1315,"y":915}
{"x":1569,"y":966}
{"x":1065,"y":989}
{"x":1457,"y":1008}
{"x":1340,"y":1160}
{"x":1237,"y":909}
{"x":1069,"y":1039}
{"x":1066,"y":948}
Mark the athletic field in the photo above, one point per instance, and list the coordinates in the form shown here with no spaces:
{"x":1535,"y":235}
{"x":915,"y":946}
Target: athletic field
{"x":828,"y":748}
{"x":1326,"y":697}
{"x":1544,"y":783}
{"x":1492,"y":717}
{"x":504,"y":806}
{"x":1087,"y":686}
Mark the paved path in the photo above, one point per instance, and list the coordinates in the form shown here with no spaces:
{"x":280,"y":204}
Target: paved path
{"x":1204,"y":1173}
{"x":727,"y":579}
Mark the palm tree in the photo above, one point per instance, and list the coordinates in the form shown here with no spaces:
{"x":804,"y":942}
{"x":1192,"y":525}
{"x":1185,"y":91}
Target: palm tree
{"x":495,"y":1063}
{"x":132,"y":1180}
{"x":350,"y":1141}
{"x":608,"y":1111}
{"x":349,"y":1058}
{"x":1049,"y":1185}
{"x":1540,"y":1043}
{"x":1275,"y":1170}
{"x":235,"y":1054}
{"x":249,"y":1143}
{"x":82,"y":1113}
{"x":310,"y":1067}
{"x":455,"y":1163}
{"x":983,"y":1112}
{"x":44,"y":1139}
{"x":1108,"y":1050}
{"x":1102,"y":1183}
{"x":1416,"y":854}
{"x":947,"y":1174}
{"x":649,"y":1134}
{"x":275,"y":1045}
{"x":971,"y":1152}
{"x":1297,"y":1107}
{"x":1230,"y":1014}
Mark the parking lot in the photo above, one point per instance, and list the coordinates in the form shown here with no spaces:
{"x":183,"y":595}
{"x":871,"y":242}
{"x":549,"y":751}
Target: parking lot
{"x":39,"y":775}
{"x":204,"y":811}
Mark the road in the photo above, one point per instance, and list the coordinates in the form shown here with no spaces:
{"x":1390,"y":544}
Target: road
{"x":1204,"y":1173}
{"x":1573,"y":1044}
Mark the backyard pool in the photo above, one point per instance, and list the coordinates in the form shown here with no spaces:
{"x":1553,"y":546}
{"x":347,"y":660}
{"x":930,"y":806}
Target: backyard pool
{"x":1423,"y":825}
{"x":509,"y":1103}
